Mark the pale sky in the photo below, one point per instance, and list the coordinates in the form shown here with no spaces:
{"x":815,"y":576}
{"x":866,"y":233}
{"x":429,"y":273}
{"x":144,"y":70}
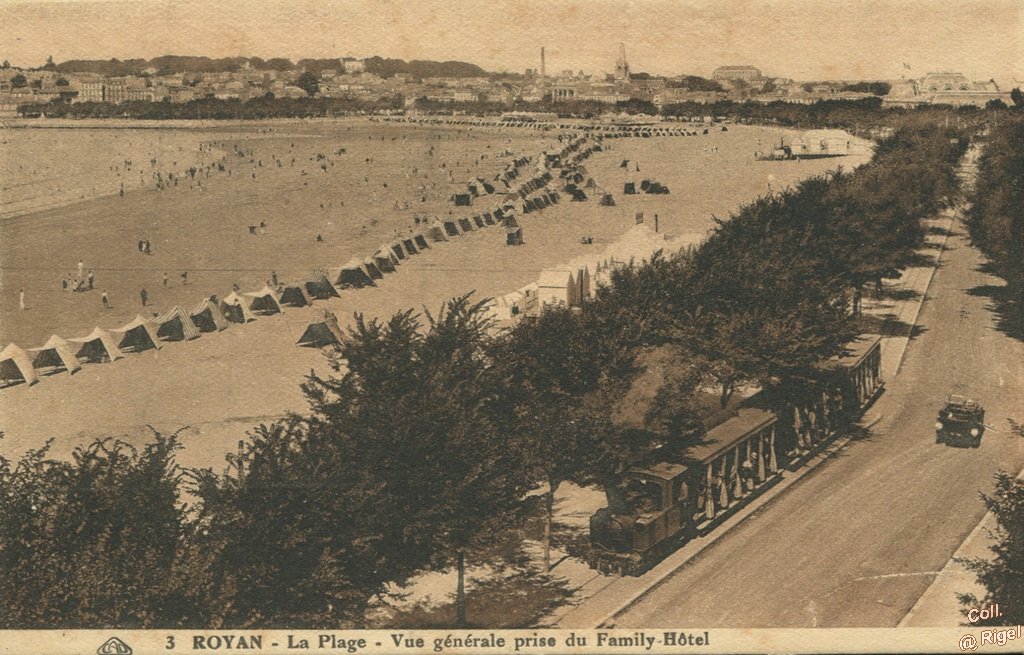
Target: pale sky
{"x":802,"y":39}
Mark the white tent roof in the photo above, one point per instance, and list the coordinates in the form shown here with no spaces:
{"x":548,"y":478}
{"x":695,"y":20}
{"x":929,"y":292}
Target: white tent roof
{"x":21,"y":361}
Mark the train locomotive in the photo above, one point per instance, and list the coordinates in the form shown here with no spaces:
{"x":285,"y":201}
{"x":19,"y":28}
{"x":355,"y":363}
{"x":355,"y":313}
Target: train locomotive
{"x":660,"y":506}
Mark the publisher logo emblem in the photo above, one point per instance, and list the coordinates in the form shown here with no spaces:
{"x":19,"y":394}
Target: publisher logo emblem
{"x":114,"y":646}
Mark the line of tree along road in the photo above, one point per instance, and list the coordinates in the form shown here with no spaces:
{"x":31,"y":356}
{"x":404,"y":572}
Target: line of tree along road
{"x":431,"y":434}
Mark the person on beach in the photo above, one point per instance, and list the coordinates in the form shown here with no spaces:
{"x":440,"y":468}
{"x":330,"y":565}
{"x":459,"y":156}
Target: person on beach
{"x":104,"y":300}
{"x":64,"y":285}
{"x":144,"y":296}
{"x":90,"y":280}
{"x":184,"y":278}
{"x":21,"y":299}
{"x":166,"y":280}
{"x":81,"y":266}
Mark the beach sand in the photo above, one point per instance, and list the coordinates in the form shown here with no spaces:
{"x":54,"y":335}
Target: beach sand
{"x":222,"y":384}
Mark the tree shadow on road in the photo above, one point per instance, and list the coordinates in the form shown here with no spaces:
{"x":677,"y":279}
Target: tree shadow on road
{"x":941,"y":231}
{"x":896,"y":293}
{"x":1006,"y":306}
{"x":857,"y":433}
{"x":888,"y":326}
{"x":924,"y":260}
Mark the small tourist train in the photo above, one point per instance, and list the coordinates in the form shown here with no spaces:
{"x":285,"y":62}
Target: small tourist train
{"x":670,"y":500}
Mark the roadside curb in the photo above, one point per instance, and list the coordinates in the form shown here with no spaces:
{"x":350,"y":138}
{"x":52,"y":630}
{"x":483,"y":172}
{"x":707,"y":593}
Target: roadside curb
{"x":788,"y":478}
{"x":951,"y":562}
{"x":924,"y":292}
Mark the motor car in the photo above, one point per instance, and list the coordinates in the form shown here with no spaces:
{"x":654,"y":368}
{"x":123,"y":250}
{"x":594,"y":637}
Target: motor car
{"x":961,"y":421}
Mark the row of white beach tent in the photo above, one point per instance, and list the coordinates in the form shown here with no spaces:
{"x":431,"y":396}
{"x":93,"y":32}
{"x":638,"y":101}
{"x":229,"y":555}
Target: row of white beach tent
{"x":212,"y":315}
{"x":609,"y":129}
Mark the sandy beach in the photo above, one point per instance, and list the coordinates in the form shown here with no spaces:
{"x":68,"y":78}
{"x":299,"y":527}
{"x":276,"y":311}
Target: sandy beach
{"x":356,"y":184}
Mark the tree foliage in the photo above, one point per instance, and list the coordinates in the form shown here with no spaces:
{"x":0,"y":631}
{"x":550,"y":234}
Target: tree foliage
{"x":1002,"y":574}
{"x":95,"y":541}
{"x":309,"y":83}
{"x":996,"y":217}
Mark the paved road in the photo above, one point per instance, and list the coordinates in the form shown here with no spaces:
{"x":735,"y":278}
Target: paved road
{"x":860,"y":539}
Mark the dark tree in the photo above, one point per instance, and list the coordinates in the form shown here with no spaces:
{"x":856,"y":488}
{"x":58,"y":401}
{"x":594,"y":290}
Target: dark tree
{"x":1002,"y":574}
{"x":417,"y":412}
{"x":19,"y":81}
{"x":93,"y":542}
{"x":308,"y":82}
{"x":287,"y":536}
{"x":565,"y":375}
{"x":1015,"y":94}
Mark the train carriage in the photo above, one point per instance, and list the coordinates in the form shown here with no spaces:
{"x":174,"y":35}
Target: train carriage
{"x":665,"y":504}
{"x":658,"y":507}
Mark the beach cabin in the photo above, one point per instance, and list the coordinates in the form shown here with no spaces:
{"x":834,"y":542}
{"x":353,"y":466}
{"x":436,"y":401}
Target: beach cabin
{"x":556,"y":288}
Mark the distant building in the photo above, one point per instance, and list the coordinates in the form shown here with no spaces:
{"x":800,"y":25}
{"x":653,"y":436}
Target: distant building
{"x":946,"y":88}
{"x":731,"y":73}
{"x":353,"y":66}
{"x":937,"y":82}
{"x":140,"y":94}
{"x":90,"y":90}
{"x":115,"y":90}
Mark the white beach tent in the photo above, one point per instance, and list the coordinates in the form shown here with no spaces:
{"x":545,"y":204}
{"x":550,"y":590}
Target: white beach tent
{"x":324,"y":332}
{"x":236,"y":309}
{"x":264,"y":301}
{"x":16,"y":367}
{"x":138,"y":335}
{"x":98,"y":347}
{"x":436,"y":232}
{"x":352,"y":275}
{"x":54,"y":356}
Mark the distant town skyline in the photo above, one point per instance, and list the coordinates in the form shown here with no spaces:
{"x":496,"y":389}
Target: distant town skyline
{"x":800,"y":39}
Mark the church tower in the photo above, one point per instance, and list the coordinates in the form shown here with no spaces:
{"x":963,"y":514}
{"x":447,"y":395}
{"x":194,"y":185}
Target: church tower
{"x":622,"y":66}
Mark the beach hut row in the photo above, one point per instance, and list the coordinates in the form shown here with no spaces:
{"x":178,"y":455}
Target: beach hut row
{"x":611,"y":129}
{"x":575,"y":282}
{"x":18,"y":365}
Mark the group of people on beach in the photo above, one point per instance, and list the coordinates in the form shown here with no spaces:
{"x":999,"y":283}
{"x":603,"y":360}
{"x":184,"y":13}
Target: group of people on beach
{"x":81,"y":282}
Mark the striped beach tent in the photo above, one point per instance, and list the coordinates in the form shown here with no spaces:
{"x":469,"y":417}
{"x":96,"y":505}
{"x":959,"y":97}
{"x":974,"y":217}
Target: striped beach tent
{"x":176,"y":325}
{"x":208,"y":317}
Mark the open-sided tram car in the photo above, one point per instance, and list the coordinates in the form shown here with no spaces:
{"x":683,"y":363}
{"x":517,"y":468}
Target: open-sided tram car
{"x":664,"y":505}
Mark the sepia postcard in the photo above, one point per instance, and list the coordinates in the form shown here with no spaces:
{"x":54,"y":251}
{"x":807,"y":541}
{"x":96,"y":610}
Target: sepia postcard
{"x":511,"y":326}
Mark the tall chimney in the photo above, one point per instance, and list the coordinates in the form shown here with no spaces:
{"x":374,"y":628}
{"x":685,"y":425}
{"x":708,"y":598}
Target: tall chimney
{"x":543,"y":74}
